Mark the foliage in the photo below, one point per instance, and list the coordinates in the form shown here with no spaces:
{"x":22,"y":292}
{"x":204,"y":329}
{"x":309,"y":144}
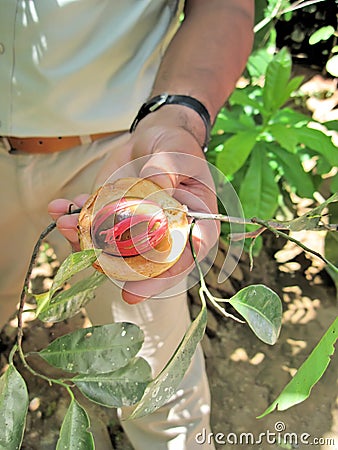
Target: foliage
{"x":13,"y":408}
{"x":299,"y":388}
{"x":102,"y":361}
{"x":307,"y":28}
{"x":261,"y":144}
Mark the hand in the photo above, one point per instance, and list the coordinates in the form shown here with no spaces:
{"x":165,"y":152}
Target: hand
{"x":162,"y":150}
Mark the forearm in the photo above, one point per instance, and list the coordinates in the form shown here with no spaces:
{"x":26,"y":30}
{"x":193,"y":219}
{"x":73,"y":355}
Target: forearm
{"x":209,"y":51}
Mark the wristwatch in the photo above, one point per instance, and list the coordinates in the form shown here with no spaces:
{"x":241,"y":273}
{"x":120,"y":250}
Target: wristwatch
{"x":158,"y":101}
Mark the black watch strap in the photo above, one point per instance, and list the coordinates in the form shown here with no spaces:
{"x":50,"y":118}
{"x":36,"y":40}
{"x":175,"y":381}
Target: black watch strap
{"x":166,"y":99}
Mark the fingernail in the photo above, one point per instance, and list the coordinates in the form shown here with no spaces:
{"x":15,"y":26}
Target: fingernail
{"x":132,"y":299}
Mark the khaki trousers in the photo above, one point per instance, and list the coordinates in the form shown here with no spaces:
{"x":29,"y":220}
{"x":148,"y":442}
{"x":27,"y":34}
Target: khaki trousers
{"x":28,"y":183}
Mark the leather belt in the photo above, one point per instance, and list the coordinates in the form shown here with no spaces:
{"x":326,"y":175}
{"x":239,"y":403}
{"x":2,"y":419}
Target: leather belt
{"x":52,"y":144}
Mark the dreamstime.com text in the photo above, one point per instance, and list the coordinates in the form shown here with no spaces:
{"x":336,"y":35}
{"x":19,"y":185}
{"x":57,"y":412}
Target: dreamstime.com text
{"x":278,"y":436}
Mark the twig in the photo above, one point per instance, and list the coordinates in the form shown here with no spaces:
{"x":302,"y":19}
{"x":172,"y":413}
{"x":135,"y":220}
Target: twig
{"x":295,"y":241}
{"x":23,"y":296}
{"x":18,"y":346}
{"x":244,"y":221}
{"x":299,"y":5}
{"x":276,"y":13}
{"x":32,"y":262}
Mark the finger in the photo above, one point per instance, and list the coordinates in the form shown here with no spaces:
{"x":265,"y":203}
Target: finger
{"x":60,"y":206}
{"x":67,"y":225}
{"x":81,"y":199}
{"x":137,"y":291}
{"x":177,"y":160}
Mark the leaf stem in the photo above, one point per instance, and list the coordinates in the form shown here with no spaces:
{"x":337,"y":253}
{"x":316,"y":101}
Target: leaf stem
{"x":40,"y":375}
{"x":204,"y":291}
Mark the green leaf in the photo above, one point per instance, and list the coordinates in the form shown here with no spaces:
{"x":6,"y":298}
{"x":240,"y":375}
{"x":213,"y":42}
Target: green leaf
{"x":13,"y":409}
{"x":74,"y":432}
{"x":123,"y":387}
{"x":334,"y":183}
{"x":318,"y":141}
{"x":166,"y":383}
{"x":236,"y":151}
{"x":310,"y":372}
{"x":331,"y":125}
{"x":97,"y":349}
{"x":322,"y":34}
{"x":276,"y":80}
{"x":332,"y":66}
{"x":311,"y":219}
{"x":285,"y":136}
{"x":262,"y":309}
{"x":331,"y":253}
{"x":322,"y":167}
{"x":226,"y":122}
{"x":69,"y":302}
{"x":259,"y":191}
{"x":293,"y":172}
{"x":73,"y":264}
{"x":258,"y":62}
{"x":289,"y":117}
{"x":292,"y":86}
{"x":242,"y":97}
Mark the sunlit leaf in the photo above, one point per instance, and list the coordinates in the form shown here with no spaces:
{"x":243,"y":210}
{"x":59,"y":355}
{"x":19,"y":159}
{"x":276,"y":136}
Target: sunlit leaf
{"x":242,"y":97}
{"x":311,"y":219}
{"x":166,"y":383}
{"x":97,"y":349}
{"x":74,"y":432}
{"x":70,"y":301}
{"x":292,"y":86}
{"x":293,"y":172}
{"x":310,"y":372}
{"x":228,"y":123}
{"x":276,"y":80}
{"x":235,"y":152}
{"x":262,"y":310}
{"x":332,"y":66}
{"x":289,"y":117}
{"x":318,"y":141}
{"x":13,"y":409}
{"x":259,"y":190}
{"x":258,"y":62}
{"x":322,"y":34}
{"x":73,"y":264}
{"x":285,"y":136}
{"x":123,"y":387}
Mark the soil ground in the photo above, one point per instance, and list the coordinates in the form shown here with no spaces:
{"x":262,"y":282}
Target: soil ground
{"x":245,"y":375}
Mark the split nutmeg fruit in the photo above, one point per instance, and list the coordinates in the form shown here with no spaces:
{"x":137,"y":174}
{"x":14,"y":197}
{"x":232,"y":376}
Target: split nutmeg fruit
{"x":140,"y":229}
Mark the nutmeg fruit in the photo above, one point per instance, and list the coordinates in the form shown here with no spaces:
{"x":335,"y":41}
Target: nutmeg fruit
{"x":140,"y":229}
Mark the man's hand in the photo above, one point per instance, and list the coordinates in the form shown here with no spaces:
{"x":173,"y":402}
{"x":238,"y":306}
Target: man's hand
{"x":171,"y":156}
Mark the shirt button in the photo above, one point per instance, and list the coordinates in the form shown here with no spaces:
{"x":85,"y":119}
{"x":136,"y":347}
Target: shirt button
{"x":2,"y":48}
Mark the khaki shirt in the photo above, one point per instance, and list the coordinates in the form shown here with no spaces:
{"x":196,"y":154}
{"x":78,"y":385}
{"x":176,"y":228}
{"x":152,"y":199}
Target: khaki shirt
{"x":74,"y":67}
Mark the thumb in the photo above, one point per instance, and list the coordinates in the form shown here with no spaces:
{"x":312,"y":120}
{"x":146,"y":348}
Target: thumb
{"x":161,"y":169}
{"x":169,"y":169}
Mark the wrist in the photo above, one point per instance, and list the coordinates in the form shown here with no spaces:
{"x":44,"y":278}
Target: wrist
{"x":177,"y":110}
